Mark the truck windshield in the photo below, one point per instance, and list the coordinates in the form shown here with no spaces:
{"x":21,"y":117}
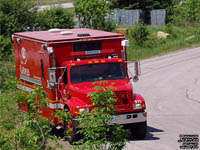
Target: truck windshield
{"x":94,"y":72}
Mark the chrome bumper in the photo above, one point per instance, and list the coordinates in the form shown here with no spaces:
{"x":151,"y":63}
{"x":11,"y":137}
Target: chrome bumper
{"x":122,"y":119}
{"x":130,"y":118}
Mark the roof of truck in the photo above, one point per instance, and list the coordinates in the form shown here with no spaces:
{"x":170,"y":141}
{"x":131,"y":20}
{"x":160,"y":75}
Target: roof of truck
{"x":56,"y":35}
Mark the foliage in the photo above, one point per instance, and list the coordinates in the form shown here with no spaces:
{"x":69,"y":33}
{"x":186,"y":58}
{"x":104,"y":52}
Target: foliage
{"x":183,"y":12}
{"x":64,"y":118}
{"x":141,"y":4}
{"x":170,"y":29}
{"x":91,"y":14}
{"x":37,"y":129}
{"x":139,"y":33}
{"x":22,"y":15}
{"x":179,"y":38}
{"x":56,"y":17}
{"x":5,"y":47}
{"x":7,"y":75}
{"x":27,"y":132}
{"x":96,"y":125}
{"x":16,"y":15}
{"x":5,"y":142}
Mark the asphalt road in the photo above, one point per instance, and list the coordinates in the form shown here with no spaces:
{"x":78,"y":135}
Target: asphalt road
{"x":170,"y":85}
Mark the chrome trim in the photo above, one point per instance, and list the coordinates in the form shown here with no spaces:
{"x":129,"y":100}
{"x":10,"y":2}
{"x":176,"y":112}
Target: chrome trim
{"x":31,"y":80}
{"x":92,"y":52}
{"x":121,"y":119}
{"x":129,"y":119}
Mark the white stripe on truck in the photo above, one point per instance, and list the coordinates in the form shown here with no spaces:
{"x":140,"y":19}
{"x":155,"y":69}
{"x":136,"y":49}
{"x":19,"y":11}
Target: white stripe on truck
{"x":24,"y":88}
{"x":56,"y":106}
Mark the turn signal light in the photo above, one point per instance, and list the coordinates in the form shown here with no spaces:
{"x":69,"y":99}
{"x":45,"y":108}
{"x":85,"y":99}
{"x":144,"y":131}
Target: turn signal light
{"x":143,"y":106}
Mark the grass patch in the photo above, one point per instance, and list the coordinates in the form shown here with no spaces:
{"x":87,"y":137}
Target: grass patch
{"x":71,"y":10}
{"x":179,"y":38}
{"x":51,"y":2}
{"x":8,"y":105}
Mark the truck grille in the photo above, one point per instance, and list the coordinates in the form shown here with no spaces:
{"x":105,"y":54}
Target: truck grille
{"x":121,"y":97}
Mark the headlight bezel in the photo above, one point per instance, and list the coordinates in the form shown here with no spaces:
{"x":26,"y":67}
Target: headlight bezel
{"x":82,"y":110}
{"x":137,"y":106}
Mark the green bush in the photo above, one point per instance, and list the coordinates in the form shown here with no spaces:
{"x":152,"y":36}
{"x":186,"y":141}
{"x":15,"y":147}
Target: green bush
{"x":184,"y":12}
{"x":107,"y":26}
{"x":139,"y":33}
{"x":152,"y":42}
{"x":22,"y":15}
{"x":56,"y":17}
{"x":91,"y":14}
{"x":169,"y":28}
{"x":16,"y":16}
{"x":5,"y":47}
{"x":5,"y":142}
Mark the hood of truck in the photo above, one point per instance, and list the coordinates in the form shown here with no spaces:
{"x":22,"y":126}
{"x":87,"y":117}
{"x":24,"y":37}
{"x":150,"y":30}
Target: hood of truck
{"x":121,"y":88}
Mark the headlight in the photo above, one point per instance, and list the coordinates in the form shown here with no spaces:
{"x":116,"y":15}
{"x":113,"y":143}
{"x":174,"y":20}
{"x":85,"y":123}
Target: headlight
{"x":81,"y":110}
{"x":137,"y":106}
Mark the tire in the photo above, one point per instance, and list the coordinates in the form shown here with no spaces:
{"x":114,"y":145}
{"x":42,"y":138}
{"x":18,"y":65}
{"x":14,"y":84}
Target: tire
{"x":138,"y":130}
{"x":72,"y":137}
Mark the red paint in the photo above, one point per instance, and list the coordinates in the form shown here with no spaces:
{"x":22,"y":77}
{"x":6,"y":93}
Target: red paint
{"x":32,"y":57}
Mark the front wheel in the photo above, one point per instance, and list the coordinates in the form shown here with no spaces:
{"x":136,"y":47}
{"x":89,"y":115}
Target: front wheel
{"x":69,"y":126}
{"x":138,"y":130}
{"x":72,"y":135}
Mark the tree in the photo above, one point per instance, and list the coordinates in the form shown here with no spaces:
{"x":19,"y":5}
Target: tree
{"x":141,"y":4}
{"x":16,"y":16}
{"x":56,"y":17}
{"x":185,"y":11}
{"x":22,"y":15}
{"x":91,"y":14}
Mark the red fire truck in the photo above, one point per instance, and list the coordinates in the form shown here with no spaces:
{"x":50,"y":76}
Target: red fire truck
{"x":66,"y":62}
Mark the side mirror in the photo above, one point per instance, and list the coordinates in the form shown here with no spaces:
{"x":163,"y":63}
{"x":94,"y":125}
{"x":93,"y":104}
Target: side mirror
{"x":137,"y":71}
{"x":135,"y":78}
